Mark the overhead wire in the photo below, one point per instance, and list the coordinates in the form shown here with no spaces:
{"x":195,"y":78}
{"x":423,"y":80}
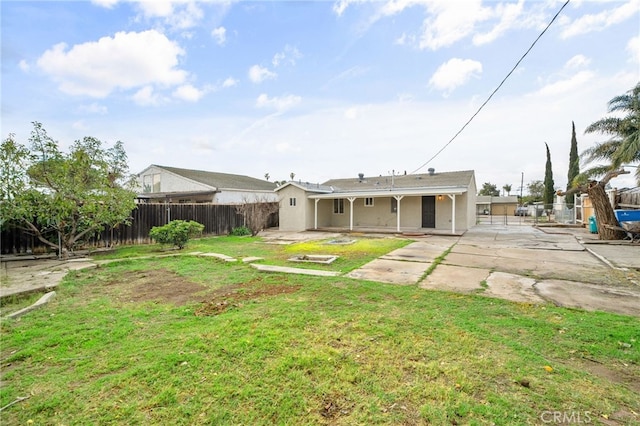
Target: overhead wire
{"x":495,"y":90}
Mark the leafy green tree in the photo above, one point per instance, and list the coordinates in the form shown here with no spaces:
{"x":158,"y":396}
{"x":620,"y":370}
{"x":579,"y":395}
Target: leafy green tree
{"x":535,"y":189}
{"x":507,"y":189}
{"x":64,"y":198}
{"x":621,"y":149}
{"x":176,"y":232}
{"x":549,"y":192}
{"x":489,"y":189}
{"x":574,"y":164}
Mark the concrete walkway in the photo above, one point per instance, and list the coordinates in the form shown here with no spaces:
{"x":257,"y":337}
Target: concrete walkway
{"x":522,"y":264}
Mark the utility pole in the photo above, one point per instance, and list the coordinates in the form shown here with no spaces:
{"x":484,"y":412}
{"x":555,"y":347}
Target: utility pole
{"x":521,"y":185}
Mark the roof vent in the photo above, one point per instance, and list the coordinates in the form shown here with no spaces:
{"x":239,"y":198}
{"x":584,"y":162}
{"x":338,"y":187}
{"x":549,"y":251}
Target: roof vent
{"x":431,"y":171}
{"x":360,"y":177}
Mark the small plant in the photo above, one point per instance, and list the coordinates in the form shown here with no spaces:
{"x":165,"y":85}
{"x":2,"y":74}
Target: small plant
{"x":241,"y":231}
{"x":176,"y":232}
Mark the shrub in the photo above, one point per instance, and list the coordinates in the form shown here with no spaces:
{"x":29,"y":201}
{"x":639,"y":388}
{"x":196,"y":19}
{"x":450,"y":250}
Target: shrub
{"x":176,"y":232}
{"x":241,"y":231}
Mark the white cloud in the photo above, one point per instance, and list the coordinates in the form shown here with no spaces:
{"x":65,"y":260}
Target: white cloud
{"x":289,"y":55}
{"x":229,"y":82}
{"x":351,"y":73}
{"x":124,"y":61}
{"x":147,"y":97}
{"x":93,"y":108}
{"x":567,"y":85}
{"x":602,"y":20}
{"x":454,"y":73}
{"x":283,"y":147}
{"x":633,"y":47}
{"x":220,"y":34}
{"x":578,"y":61}
{"x":352,"y":113}
{"x":24,"y":66}
{"x":341,"y":5}
{"x":449,"y":22}
{"x":278,"y":103}
{"x":188,"y":93}
{"x":509,"y":14}
{"x":105,"y":3}
{"x":258,"y":74}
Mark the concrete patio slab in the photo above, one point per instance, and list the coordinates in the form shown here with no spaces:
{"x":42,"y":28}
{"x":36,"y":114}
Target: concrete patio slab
{"x":455,"y":278}
{"x":390,"y":271}
{"x":590,"y":297}
{"x":512,"y":287}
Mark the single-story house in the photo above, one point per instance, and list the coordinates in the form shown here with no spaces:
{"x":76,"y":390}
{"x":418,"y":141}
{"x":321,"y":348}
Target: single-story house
{"x":159,"y":184}
{"x":434,"y":202}
{"x":486,"y":204}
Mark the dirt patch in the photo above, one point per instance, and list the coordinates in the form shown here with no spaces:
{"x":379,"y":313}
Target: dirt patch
{"x":627,"y":375}
{"x":234,"y":295}
{"x":158,"y":285}
{"x":334,"y":406}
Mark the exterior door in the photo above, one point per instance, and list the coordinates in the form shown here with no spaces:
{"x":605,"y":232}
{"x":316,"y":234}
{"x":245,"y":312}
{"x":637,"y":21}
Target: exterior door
{"x":429,"y":211}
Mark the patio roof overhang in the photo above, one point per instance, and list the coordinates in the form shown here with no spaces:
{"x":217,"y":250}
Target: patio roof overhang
{"x":392,"y":192}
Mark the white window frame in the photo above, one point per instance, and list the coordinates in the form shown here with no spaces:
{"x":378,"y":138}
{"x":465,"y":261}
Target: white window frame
{"x":338,"y":206}
{"x":368,"y":202}
{"x":292,"y":201}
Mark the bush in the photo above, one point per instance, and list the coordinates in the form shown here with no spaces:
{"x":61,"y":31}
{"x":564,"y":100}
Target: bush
{"x":241,"y":231}
{"x":176,"y":232}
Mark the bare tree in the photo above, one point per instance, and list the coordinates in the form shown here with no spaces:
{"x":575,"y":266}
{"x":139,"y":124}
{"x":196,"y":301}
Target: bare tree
{"x":256,"y":213}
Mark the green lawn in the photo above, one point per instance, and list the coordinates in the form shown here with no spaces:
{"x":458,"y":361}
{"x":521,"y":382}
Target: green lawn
{"x":193,"y":340}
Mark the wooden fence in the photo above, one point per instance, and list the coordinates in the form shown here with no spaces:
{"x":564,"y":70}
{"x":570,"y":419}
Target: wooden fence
{"x":217,"y":220}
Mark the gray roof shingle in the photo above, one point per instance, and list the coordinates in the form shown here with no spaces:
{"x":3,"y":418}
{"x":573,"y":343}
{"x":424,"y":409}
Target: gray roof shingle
{"x":223,"y":180}
{"x":436,"y":180}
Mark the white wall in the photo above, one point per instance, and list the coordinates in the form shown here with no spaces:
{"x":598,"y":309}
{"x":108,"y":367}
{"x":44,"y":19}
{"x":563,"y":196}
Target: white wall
{"x":293,"y":218}
{"x":170,"y":182}
{"x":241,"y":197}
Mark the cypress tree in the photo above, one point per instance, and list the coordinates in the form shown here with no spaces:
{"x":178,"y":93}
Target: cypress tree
{"x":547,"y":198}
{"x":574,"y":164}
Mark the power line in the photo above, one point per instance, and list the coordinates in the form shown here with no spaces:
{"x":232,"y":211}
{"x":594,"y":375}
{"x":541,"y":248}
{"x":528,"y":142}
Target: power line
{"x":496,"y":89}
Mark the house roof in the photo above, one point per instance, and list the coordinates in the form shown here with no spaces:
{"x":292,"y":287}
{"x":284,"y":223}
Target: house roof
{"x":460,"y":179}
{"x":222,"y":180}
{"x":306,"y":186}
{"x":415,"y":184}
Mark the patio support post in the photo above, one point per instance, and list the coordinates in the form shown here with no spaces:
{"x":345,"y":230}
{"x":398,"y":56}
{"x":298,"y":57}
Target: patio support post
{"x":315,"y":214}
{"x":453,"y":212}
{"x":398,"y":198}
{"x":351,"y":200}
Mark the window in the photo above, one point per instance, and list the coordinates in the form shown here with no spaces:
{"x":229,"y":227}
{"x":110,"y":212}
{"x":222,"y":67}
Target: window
{"x":394,"y":205}
{"x":338,"y":206}
{"x":368,"y":202}
{"x":151,"y":183}
{"x":292,"y":202}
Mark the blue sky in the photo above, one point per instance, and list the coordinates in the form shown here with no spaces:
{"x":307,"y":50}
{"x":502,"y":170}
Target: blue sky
{"x":323,"y":89}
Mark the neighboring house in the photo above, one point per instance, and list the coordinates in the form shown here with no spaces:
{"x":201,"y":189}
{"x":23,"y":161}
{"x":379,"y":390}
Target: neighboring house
{"x":486,"y":204}
{"x":443,"y":202}
{"x":159,"y":184}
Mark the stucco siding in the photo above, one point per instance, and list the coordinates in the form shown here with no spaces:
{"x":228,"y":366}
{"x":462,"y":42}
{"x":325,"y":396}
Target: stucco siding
{"x":293,"y":218}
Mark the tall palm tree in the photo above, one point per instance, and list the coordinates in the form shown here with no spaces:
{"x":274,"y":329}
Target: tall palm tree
{"x":624,"y":145}
{"x":507,"y":189}
{"x":622,"y":148}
